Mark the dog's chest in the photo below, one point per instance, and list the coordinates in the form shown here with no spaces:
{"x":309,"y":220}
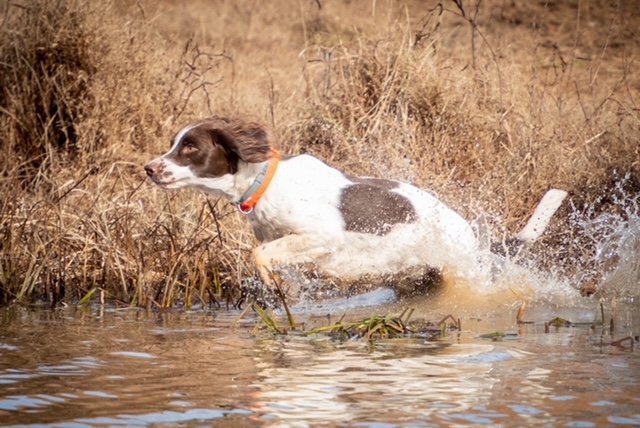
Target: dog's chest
{"x":267,"y":228}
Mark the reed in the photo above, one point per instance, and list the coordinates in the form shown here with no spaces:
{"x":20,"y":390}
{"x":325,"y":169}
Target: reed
{"x":488,"y":110}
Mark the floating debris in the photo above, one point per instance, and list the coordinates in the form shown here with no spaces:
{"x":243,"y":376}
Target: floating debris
{"x":520,"y":315}
{"x":375,"y":326}
{"x":621,"y":342}
{"x":495,"y":336}
{"x":557,"y":322}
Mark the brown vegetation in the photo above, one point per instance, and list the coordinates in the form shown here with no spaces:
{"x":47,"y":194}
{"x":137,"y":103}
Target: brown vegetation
{"x":487,"y":103}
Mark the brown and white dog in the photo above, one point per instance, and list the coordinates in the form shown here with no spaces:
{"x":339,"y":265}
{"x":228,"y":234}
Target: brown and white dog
{"x":305,"y":212}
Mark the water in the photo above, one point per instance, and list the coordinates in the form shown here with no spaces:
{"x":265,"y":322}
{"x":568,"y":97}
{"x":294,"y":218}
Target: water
{"x":103,"y":366}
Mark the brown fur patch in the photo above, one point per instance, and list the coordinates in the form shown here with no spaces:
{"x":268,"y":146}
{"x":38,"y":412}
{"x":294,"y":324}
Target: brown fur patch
{"x":250,"y":141}
{"x":369,"y":206}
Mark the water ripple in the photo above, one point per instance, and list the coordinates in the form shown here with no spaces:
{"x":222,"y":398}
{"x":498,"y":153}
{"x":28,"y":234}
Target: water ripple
{"x":130,"y":354}
{"x":166,"y":417}
{"x":19,"y":402}
{"x":7,"y":347}
{"x":11,"y":376}
{"x":75,"y":367}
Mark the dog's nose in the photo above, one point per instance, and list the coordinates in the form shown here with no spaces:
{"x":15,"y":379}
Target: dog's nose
{"x":150,"y":169}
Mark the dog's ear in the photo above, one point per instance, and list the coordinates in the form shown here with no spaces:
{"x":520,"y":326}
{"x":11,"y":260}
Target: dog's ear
{"x":247,"y":140}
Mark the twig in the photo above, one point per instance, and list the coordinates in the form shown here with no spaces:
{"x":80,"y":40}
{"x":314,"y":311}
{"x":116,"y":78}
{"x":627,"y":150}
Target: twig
{"x":473,"y":22}
{"x":273,"y":99}
{"x":282,"y":297}
{"x":212,"y":210}
{"x":74,"y":186}
{"x":422,"y":34}
{"x":620,"y":342}
{"x":614,"y":313}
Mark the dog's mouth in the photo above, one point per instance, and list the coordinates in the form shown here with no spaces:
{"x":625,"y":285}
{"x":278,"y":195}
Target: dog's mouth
{"x":167,"y":184}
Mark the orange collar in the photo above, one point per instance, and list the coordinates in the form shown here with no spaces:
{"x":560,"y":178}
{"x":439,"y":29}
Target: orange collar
{"x":252,"y":195}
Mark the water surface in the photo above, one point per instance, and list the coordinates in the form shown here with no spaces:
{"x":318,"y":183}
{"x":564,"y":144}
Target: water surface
{"x":105,"y":366}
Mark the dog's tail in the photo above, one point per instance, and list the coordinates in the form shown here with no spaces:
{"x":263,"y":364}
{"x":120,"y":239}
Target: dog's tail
{"x":536,"y":225}
{"x":542,"y":215}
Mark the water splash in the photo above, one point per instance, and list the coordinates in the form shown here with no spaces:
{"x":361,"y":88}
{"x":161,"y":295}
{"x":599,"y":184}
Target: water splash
{"x":615,"y":235}
{"x":597,"y":245}
{"x":624,"y":277}
{"x":604,"y":240}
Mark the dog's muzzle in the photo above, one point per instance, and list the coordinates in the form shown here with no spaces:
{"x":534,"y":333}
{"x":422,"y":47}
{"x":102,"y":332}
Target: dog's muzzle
{"x":153,"y":169}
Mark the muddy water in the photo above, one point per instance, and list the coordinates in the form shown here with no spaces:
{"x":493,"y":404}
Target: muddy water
{"x":104,"y":366}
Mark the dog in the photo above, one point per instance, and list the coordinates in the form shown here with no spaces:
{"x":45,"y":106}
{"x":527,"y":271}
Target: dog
{"x":309,"y":215}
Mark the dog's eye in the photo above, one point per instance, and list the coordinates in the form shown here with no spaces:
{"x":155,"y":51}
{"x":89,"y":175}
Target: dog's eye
{"x":188,"y":147}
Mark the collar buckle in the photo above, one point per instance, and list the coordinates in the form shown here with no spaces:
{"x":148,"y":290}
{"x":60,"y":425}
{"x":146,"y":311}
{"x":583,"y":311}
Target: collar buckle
{"x":252,"y":195}
{"x":244,"y":210}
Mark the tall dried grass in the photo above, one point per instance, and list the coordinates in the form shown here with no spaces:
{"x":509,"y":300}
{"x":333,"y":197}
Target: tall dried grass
{"x":88,"y":90}
{"x":425,"y":93}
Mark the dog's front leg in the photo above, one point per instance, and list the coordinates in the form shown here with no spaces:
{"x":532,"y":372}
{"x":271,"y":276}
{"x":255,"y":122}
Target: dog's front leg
{"x":289,"y":250}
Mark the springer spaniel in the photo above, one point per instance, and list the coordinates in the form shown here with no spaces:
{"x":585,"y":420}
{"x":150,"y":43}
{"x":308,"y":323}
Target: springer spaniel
{"x":353,"y":230}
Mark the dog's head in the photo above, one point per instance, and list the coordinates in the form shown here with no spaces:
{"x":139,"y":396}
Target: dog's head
{"x":207,"y":153}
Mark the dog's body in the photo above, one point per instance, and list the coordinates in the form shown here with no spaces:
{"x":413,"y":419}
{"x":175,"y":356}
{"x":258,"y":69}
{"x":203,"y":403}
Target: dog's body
{"x":349,"y":228}
{"x":312,"y":214}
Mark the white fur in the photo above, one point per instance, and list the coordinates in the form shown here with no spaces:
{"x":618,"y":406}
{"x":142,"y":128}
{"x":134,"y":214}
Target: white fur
{"x":180,"y":135}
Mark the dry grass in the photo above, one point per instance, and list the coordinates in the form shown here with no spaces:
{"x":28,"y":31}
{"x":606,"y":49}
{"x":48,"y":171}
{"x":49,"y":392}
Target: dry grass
{"x":488,"y":107}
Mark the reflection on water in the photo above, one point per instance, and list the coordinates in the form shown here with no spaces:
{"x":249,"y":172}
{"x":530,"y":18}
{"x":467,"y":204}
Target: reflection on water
{"x":91,"y":367}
